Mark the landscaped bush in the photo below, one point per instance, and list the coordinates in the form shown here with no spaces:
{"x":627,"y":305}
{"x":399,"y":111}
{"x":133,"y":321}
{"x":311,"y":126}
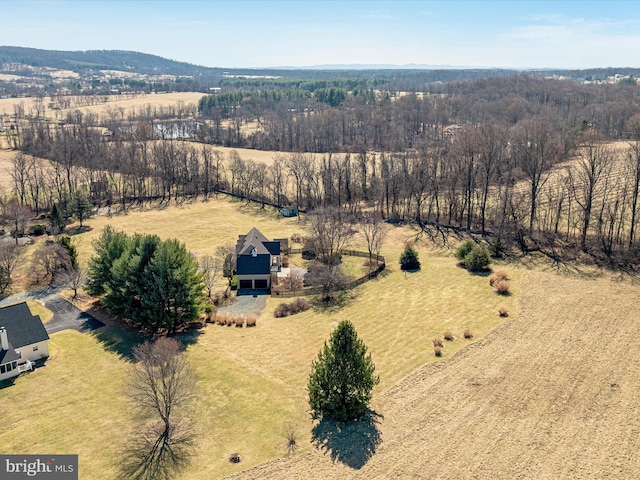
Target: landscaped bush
{"x":501,"y":287}
{"x":448,"y":335}
{"x":465,"y":249}
{"x":477,"y":260}
{"x":251,"y":321}
{"x":239,"y":322}
{"x":437,"y":351}
{"x":308,"y":254}
{"x":36,"y":230}
{"x":285,"y":261}
{"x":409,"y":259}
{"x":503,"y":312}
{"x":467,"y":333}
{"x":497,"y":277}
{"x":286,"y":309}
{"x":437,"y":342}
{"x":221,"y":318}
{"x":496,"y":250}
{"x":297,"y":238}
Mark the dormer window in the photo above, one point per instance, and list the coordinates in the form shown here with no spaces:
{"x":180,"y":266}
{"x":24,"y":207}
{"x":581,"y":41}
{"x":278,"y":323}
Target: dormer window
{"x":254,"y":252}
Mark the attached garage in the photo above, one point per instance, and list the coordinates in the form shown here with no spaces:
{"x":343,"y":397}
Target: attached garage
{"x":261,"y":284}
{"x":246,"y":284}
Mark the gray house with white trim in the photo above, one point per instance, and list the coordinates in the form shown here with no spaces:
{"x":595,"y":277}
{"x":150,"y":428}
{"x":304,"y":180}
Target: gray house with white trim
{"x":23,"y":340}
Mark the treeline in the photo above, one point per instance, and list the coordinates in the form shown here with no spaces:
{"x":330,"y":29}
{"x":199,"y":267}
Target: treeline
{"x":490,"y":156}
{"x":340,"y":120}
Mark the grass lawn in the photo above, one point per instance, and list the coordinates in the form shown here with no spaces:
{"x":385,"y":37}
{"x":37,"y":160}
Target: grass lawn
{"x":251,"y":382}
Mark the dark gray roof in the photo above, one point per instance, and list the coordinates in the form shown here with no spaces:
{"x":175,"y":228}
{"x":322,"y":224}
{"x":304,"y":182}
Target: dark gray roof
{"x":23,"y":328}
{"x":8,"y":356}
{"x":249,"y":265}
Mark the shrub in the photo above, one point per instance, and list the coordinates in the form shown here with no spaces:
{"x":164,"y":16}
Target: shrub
{"x":286,"y":309}
{"x":251,"y":321}
{"x":448,"y":336}
{"x":239,"y":322}
{"x":503,"y":312}
{"x":308,"y":254}
{"x":285,"y":261}
{"x":465,"y":249}
{"x":221,"y":318}
{"x":477,"y":260}
{"x":501,"y":287}
{"x":467,"y":333}
{"x":496,"y":250}
{"x":437,"y":351}
{"x":437,"y":342}
{"x":297,"y":238}
{"x":409,"y":259}
{"x":37,"y":229}
{"x":299,"y":305}
{"x":497,"y":277}
{"x":235,"y":458}
{"x":282,"y":311}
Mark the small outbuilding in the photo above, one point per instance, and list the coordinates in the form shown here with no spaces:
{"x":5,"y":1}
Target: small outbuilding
{"x":23,"y":340}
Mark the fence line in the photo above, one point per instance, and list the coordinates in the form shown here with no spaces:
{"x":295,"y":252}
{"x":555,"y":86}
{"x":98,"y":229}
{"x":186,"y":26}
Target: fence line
{"x":318,"y":290}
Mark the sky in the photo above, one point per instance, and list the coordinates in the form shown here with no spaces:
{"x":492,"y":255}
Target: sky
{"x":298,"y":33}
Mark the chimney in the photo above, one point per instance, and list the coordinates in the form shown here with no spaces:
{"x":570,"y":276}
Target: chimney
{"x":4,"y":341}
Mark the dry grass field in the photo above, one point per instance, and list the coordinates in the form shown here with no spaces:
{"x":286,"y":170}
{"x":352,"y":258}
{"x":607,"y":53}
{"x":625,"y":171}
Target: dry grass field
{"x":251,"y":382}
{"x":552,"y":394}
{"x":7,"y":105}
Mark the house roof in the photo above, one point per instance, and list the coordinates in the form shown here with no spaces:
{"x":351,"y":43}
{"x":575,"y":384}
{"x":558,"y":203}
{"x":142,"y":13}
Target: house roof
{"x":22,"y":327}
{"x":7,"y":356}
{"x":256,"y":240}
{"x":249,"y":265}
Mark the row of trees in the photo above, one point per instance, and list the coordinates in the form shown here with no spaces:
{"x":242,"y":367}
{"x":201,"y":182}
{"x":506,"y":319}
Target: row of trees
{"x":151,"y":282}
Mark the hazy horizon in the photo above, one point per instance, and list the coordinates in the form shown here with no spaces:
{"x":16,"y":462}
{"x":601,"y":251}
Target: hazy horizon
{"x":253,"y":34}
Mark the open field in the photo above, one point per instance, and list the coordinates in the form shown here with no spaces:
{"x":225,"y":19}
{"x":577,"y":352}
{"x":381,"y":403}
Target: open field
{"x":7,"y":105}
{"x":550,"y":395}
{"x":251,"y":382}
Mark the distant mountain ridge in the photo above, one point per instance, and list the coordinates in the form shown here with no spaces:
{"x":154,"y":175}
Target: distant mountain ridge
{"x":79,"y":61}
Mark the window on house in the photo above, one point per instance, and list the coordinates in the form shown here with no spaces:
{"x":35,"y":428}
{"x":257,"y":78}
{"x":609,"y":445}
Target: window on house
{"x":3,"y":369}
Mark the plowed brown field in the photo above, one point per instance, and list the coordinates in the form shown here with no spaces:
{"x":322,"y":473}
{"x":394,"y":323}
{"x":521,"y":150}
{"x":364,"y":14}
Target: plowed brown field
{"x":553,"y":394}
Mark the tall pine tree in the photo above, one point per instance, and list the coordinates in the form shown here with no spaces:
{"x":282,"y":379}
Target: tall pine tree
{"x":342,"y":378}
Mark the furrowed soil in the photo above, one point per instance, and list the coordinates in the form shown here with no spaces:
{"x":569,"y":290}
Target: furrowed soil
{"x":551,"y":394}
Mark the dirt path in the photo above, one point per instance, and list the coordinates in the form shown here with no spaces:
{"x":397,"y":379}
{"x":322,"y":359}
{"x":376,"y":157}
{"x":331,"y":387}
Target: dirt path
{"x":551,"y":395}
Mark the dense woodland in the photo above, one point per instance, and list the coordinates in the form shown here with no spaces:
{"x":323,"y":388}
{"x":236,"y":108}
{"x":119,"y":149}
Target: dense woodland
{"x":490,"y":156}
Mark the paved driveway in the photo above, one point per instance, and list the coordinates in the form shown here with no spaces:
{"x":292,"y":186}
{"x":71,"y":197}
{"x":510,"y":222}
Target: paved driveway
{"x":65,"y":315}
{"x":245,"y":305}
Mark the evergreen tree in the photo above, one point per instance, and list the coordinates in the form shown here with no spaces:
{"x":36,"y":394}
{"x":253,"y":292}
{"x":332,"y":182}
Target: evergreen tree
{"x":82,"y":207}
{"x":71,"y":248}
{"x":342,"y":377}
{"x":409,"y":259}
{"x":127,"y":284}
{"x":108,"y":247}
{"x":171,"y":289}
{"x":57,"y":220}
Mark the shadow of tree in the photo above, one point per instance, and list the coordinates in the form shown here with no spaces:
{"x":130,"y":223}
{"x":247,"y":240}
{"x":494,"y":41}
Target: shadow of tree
{"x":352,"y":443}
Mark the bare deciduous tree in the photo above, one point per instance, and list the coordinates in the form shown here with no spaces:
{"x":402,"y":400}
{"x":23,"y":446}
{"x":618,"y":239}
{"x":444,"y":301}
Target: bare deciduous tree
{"x":375,"y":232}
{"x":331,"y":231}
{"x":161,"y":387}
{"x":73,"y":279}
{"x":211,"y":268}
{"x":18,"y":215}
{"x":11,"y":256}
